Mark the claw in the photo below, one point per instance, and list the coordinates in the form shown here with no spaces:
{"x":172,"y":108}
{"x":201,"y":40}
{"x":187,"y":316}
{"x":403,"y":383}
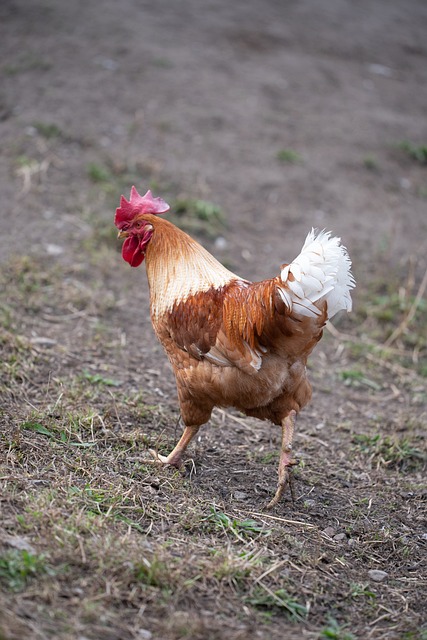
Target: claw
{"x":165,"y":460}
{"x":175,"y":456}
{"x":286,"y":478}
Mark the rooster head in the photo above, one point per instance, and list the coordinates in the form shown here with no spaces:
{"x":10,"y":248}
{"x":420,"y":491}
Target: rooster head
{"x":133,"y":227}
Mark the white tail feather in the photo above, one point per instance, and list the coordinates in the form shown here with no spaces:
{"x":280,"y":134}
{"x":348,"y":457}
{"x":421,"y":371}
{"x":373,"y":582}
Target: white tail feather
{"x":320,"y":272}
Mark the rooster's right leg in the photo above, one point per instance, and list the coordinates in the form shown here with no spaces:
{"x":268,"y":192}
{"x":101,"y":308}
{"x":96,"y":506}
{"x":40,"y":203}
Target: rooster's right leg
{"x":175,"y":456}
{"x":286,"y":461}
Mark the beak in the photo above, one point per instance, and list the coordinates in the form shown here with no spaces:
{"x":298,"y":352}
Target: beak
{"x":122,"y":234}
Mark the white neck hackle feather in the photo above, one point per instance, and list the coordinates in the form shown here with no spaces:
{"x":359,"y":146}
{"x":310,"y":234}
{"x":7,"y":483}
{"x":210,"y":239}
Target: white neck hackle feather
{"x":188,"y":269}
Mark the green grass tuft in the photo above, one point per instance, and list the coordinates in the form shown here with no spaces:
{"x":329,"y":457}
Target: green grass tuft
{"x":48,"y":130}
{"x":335,"y":631}
{"x":18,"y":567}
{"x":370,"y":163}
{"x":278,"y":600}
{"x":395,"y":452}
{"x":416,"y":152}
{"x":238,"y":528}
{"x":98,"y":173}
{"x":289,"y":156}
{"x":198,"y":216}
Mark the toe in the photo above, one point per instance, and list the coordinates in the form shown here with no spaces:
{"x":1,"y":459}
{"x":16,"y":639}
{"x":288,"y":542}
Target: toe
{"x":165,"y":460}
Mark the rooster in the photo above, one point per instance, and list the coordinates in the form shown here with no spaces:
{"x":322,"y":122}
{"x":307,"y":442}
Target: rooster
{"x":232,"y":342}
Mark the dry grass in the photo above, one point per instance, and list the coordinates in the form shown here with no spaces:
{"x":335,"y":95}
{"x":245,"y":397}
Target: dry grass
{"x":96,"y":541}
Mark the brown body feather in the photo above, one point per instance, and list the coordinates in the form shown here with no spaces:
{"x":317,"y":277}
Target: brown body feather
{"x":230,"y":342}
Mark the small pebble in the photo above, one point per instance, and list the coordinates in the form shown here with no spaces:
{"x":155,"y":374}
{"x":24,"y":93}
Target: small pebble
{"x":405,"y":183}
{"x":30,"y":131}
{"x":380,"y":70}
{"x":377,"y":575}
{"x":309,"y":503}
{"x":42,"y":341}
{"x":220,"y":243}
{"x":107,"y":63}
{"x":54,"y":249}
{"x":340,"y":537}
{"x":18,"y":542}
{"x":329,"y":531}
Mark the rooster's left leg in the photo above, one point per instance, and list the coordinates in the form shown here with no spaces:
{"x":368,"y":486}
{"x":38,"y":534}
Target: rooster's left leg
{"x":174,"y":458}
{"x":286,"y":462}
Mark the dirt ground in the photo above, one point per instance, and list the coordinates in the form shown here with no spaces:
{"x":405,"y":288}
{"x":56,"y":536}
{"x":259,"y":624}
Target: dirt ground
{"x":256,"y":120}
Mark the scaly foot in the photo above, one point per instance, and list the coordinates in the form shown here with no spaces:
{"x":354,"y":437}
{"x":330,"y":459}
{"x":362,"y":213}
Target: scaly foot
{"x":175,"y":456}
{"x":173,"y":461}
{"x":286,"y":478}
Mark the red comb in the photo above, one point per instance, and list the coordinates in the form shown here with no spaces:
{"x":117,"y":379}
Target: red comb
{"x":138,"y":204}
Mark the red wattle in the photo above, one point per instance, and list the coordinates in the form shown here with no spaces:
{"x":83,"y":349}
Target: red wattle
{"x":131,"y":251}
